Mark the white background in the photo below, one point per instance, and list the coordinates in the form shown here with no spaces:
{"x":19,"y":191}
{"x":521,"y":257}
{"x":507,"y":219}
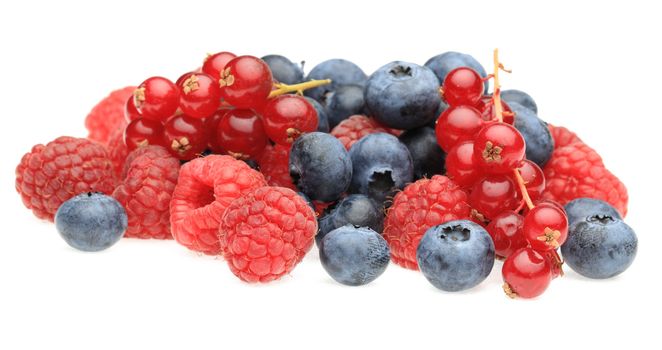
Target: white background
{"x":593,"y":68}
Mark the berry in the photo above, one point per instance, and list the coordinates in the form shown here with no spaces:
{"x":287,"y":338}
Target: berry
{"x":341,"y":72}
{"x":562,"y":136}
{"x":283,"y":70}
{"x":534,"y":179}
{"x":600,"y":247}
{"x":320,"y":166}
{"x":355,"y":127}
{"x":211,"y":125}
{"x":456,"y":255}
{"x":582,"y":208}
{"x":51,"y":174}
{"x":521,"y":98}
{"x":246,"y":82}
{"x":461,"y":165}
{"x":205,"y":188}
{"x":286,"y":117}
{"x":146,"y":192}
{"x":447,"y":61}
{"x":457,"y":124}
{"x":425,"y":152}
{"x":506,"y":232}
{"x":381,"y":166}
{"x":214,"y":64}
{"x":344,"y":101}
{"x":539,"y":141}
{"x":545,"y":227}
{"x":267,"y":232}
{"x":462,"y":86}
{"x":91,"y":221}
{"x":156,"y":98}
{"x":356,"y":209}
{"x":199,"y":93}
{"x":491,"y":196}
{"x":498,"y":148}
{"x":274,"y":165}
{"x":526,"y":274}
{"x":488,"y":112}
{"x":322,"y":115}
{"x":143,"y":132}
{"x":130,"y":111}
{"x":185,"y":137}
{"x":354,"y":256}
{"x":241,"y":134}
{"x":107,"y":115}
{"x":117,"y":151}
{"x":421,"y":205}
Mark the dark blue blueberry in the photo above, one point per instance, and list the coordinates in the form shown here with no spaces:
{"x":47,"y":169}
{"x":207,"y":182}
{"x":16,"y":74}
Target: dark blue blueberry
{"x":341,"y":72}
{"x":539,"y":141}
{"x":284,"y":70}
{"x":455,"y":256}
{"x":600,"y":247}
{"x":520,"y":97}
{"x":320,"y":166}
{"x":356,"y":209}
{"x":442,"y":107}
{"x":582,"y":208}
{"x":382,"y":165}
{"x":344,"y":102}
{"x":447,"y":61}
{"x":354,"y":256}
{"x":428,"y":157}
{"x":403,"y":95}
{"x":91,"y":221}
{"x":322,"y":116}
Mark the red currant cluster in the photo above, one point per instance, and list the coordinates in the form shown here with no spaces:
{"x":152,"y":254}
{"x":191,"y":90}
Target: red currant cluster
{"x":486,"y":156}
{"x":231,"y":105}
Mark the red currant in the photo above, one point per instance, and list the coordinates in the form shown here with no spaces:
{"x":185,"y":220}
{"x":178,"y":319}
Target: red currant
{"x":506,"y":232}
{"x":534,"y":179}
{"x":493,"y":195}
{"x":457,"y":124}
{"x":526,"y":274}
{"x":545,"y":227}
{"x":246,"y":82}
{"x":463,"y":86}
{"x":214,"y":64}
{"x":288,"y":116}
{"x":199,"y":94}
{"x":488,"y":112}
{"x":460,"y":165}
{"x":130,"y":111}
{"x":241,"y":134}
{"x":555,"y":262}
{"x":142,"y":132}
{"x":185,"y":137}
{"x":156,"y":98}
{"x":211,"y":125}
{"x":499,"y":148}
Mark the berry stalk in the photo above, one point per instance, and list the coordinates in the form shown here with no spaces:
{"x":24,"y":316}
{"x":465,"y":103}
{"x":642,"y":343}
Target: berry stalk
{"x":496,"y":95}
{"x":522,"y":188}
{"x":282,"y":89}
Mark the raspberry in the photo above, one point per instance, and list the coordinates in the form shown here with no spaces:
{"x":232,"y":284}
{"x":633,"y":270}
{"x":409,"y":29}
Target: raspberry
{"x":421,"y":205}
{"x":267,"y":232}
{"x":108,"y":115}
{"x":117,"y":151}
{"x":146,"y":191}
{"x":355,"y":127}
{"x":205,"y":188}
{"x":151,"y":150}
{"x":577,"y":171}
{"x":274,"y":165}
{"x":562,"y":136}
{"x":49,"y":175}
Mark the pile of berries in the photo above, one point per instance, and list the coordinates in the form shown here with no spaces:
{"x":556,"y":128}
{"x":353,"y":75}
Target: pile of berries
{"x":424,"y":166}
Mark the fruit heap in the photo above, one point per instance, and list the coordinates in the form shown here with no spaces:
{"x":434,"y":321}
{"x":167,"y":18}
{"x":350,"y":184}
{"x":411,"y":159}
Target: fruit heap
{"x":422,"y":165}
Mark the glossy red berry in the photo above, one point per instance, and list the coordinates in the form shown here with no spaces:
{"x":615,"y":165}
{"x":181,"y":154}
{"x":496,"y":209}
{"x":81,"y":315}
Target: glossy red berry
{"x":156,"y":98}
{"x":555,"y":262}
{"x":246,"y":82}
{"x":130,"y":111}
{"x":491,"y":196}
{"x":460,"y":165}
{"x":545,"y":227}
{"x":506,"y":232}
{"x":241,"y":134}
{"x":534,"y":179}
{"x":143,"y":132}
{"x":185,"y":137}
{"x":499,"y":148}
{"x":286,"y":117}
{"x":463,"y":86}
{"x":526,"y":274}
{"x":488,"y":112}
{"x":211,"y":125}
{"x":214,"y":64}
{"x":200,"y":95}
{"x":457,"y":124}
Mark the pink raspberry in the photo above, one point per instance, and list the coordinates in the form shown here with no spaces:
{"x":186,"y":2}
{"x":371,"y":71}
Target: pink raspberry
{"x":108,"y":115}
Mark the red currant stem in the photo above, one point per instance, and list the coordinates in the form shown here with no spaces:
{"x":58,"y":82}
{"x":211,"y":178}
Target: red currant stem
{"x":558,"y":261}
{"x":496,"y":96}
{"x":284,"y":88}
{"x":522,"y":188}
{"x":521,"y":206}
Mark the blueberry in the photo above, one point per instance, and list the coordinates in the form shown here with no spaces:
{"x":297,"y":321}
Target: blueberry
{"x":402,"y":95}
{"x":284,"y":70}
{"x":600,"y":247}
{"x":341,"y":72}
{"x":428,"y":157}
{"x":582,"y":208}
{"x":356,"y":209}
{"x":520,"y":97}
{"x":539,"y":141}
{"x":91,"y":221}
{"x":320,"y":166}
{"x":322,"y":116}
{"x":344,"y":102}
{"x":354,"y":256}
{"x":442,"y":107}
{"x":382,"y":165}
{"x":447,"y":61}
{"x":455,"y":256}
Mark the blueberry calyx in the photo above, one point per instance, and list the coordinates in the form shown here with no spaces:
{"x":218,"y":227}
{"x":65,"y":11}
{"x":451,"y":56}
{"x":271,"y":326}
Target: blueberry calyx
{"x":400,"y":71}
{"x":381,"y":181}
{"x":602,"y":219}
{"x":455,"y":233}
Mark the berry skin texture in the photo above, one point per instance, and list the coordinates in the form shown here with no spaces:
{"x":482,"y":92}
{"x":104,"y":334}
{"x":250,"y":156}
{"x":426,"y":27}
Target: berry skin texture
{"x":156,"y":98}
{"x":499,"y":148}
{"x":246,"y":82}
{"x":519,"y":97}
{"x":322,"y":115}
{"x":286,"y":117}
{"x":354,"y":256}
{"x":447,"y":61}
{"x":214,"y":64}
{"x":117,"y":151}
{"x":545,"y":227}
{"x":600,"y":247}
{"x":143,"y":132}
{"x":51,"y":174}
{"x":461,"y":166}
{"x":352,"y":129}
{"x":526,"y":274}
{"x":240,"y":133}
{"x":506,"y":232}
{"x":185,"y":137}
{"x":274,"y":165}
{"x":343,"y":102}
{"x":205,"y":188}
{"x":267,"y":232}
{"x":199,"y":93}
{"x":91,"y":221}
{"x":582,"y":208}
{"x":491,"y":196}
{"x":283,"y":70}
{"x":457,"y":124}
{"x":562,"y":136}
{"x":356,"y":209}
{"x":341,"y":72}
{"x":108,"y":115}
{"x":146,"y":192}
{"x":421,"y":205}
{"x":534,"y":179}
{"x":428,"y":157}
{"x":539,"y":141}
{"x":462,"y":86}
